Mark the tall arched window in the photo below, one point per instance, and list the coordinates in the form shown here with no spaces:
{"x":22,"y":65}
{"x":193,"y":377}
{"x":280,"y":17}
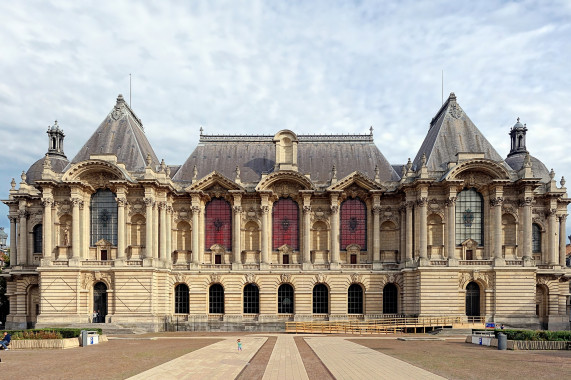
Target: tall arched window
{"x":103,"y":217}
{"x":285,"y":224}
{"x":181,"y":299}
{"x":535,"y":238}
{"x":37,"y":232}
{"x":472,"y":300}
{"x":469,"y":217}
{"x":285,"y":299}
{"x":355,"y":299}
{"x":216,"y":299}
{"x":353,"y":228}
{"x":390,"y":299}
{"x":320,"y":299}
{"x":218,"y":224}
{"x":251,"y":299}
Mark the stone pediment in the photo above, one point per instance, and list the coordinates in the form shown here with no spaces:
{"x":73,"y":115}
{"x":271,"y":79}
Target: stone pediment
{"x":289,"y":176}
{"x":478,"y":167}
{"x":355,"y":178}
{"x":103,"y":243}
{"x":214,"y":180}
{"x":96,"y":173}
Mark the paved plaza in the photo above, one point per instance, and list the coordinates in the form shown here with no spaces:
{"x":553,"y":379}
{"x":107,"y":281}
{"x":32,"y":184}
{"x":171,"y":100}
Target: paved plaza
{"x":345,"y":360}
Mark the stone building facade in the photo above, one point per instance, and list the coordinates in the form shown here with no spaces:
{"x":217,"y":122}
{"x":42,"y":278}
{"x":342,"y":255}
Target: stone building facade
{"x":258,"y":230}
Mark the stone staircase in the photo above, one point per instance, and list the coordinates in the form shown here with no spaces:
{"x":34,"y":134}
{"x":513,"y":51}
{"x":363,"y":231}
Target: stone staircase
{"x":107,"y":328}
{"x":447,"y":331}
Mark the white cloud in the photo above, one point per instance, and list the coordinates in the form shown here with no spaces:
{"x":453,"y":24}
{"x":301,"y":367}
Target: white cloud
{"x":260,"y":66}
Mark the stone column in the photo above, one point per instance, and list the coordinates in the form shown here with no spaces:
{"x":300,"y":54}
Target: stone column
{"x":163,"y":231}
{"x":75,"y":228}
{"x":149,"y":227}
{"x":409,"y":227}
{"x":201,"y":236}
{"x":376,"y":234}
{"x":306,"y":229}
{"x":237,"y":238}
{"x":562,"y":245}
{"x":86,"y":234}
{"x":496,"y":204}
{"x":527,"y":230}
{"x":121,"y":203}
{"x":451,"y":242}
{"x":195,"y":229}
{"x":13,"y":241}
{"x":265,"y":235}
{"x":156,"y":230}
{"x":553,"y":246}
{"x":23,"y":247}
{"x":423,"y":228}
{"x":335,"y":256}
{"x":47,"y":225}
{"x":169,"y":249}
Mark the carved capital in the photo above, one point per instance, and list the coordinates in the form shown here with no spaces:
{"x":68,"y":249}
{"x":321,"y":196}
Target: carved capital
{"x":13,"y":218}
{"x":526,"y":202}
{"x":450,"y":201}
{"x":121,"y":202}
{"x":377,"y":210}
{"x":421,"y":202}
{"x":306,"y":209}
{"x":551,"y":212}
{"x":409,"y":204}
{"x":195,"y":210}
{"x":47,"y":202}
{"x":162,"y":205}
{"x":334,"y":209}
{"x":238,"y":210}
{"x":23,"y":214}
{"x":149,"y":201}
{"x":563,"y":218}
{"x":496,"y":201}
{"x":265,"y":209}
{"x":76,"y":202}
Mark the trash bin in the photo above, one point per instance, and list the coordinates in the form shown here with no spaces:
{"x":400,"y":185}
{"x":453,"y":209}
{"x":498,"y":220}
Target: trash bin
{"x":89,"y":337}
{"x":502,"y":341}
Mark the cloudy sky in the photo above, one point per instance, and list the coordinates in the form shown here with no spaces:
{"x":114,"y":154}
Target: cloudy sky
{"x":260,"y":66}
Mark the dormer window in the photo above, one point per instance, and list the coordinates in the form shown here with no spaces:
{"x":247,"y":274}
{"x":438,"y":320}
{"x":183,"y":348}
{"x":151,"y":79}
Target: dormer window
{"x":286,"y":150}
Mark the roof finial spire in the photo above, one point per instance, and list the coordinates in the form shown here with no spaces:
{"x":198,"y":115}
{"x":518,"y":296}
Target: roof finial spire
{"x":551,"y":174}
{"x":377,"y":178}
{"x":13,"y":184}
{"x":562,"y":181}
{"x":194,"y":173}
{"x":237,"y":174}
{"x":149,"y":160}
{"x":371,"y":130}
{"x":423,"y":159}
{"x":201,"y":130}
{"x":334,"y":172}
{"x":23,"y":176}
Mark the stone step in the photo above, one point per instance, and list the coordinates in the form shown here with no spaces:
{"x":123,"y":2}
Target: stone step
{"x":451,"y":332}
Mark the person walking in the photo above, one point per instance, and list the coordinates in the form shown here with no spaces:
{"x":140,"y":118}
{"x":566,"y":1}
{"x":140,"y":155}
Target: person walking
{"x":239,"y":345}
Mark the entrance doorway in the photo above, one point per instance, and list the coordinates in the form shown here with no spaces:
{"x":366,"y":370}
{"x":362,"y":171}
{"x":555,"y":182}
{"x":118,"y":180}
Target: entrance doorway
{"x":103,"y":254}
{"x":472,"y":300}
{"x":217,"y":259}
{"x":100,"y":301}
{"x":286,"y":259}
{"x":353,"y":259}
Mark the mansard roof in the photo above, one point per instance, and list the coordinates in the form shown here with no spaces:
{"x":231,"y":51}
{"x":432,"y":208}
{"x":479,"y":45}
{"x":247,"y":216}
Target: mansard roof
{"x":316,"y":155}
{"x":451,"y":131}
{"x":121,"y":134}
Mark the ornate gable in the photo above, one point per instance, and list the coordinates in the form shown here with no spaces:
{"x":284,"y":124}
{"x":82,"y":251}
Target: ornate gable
{"x":289,"y":176}
{"x":355,"y":178}
{"x":214,"y":181}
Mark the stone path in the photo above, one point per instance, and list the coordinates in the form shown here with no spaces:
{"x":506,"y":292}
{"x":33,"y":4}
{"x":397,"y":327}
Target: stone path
{"x":218,"y":361}
{"x":285,"y":362}
{"x":344,"y":359}
{"x":348,"y":360}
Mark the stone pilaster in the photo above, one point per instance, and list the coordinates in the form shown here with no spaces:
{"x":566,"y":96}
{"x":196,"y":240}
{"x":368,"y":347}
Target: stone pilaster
{"x":23,"y":248}
{"x":496,"y":205}
{"x":237,"y":231}
{"x":149,"y":227}
{"x":169,"y":249}
{"x":47,"y":202}
{"x":306,"y":253}
{"x":423,"y":229}
{"x":195,"y":230}
{"x":553,"y":231}
{"x":527,"y":230}
{"x":409,"y":232}
{"x":562,"y":242}
{"x":451,"y":224}
{"x":75,"y":227}
{"x":13,"y":240}
{"x":121,"y":203}
{"x":163,"y":230}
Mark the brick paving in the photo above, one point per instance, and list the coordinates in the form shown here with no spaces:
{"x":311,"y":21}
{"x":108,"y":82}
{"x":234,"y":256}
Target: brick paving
{"x":285,"y":362}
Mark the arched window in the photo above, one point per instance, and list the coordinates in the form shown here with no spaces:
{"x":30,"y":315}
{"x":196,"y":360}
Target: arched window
{"x":472,"y":300}
{"x":469,"y":217}
{"x":355,"y":299}
{"x":390,"y":299}
{"x":535,"y":238}
{"x":103,"y":217}
{"x":285,"y":299}
{"x":353,"y":228}
{"x":251,"y":299}
{"x":37,"y":232}
{"x":320,"y":299}
{"x":218,"y":224}
{"x":181,"y":299}
{"x":285,"y":227}
{"x":216,"y":299}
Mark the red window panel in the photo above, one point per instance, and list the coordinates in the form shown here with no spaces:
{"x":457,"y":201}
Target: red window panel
{"x":285,"y":225}
{"x":353,"y":223}
{"x":218,"y":224}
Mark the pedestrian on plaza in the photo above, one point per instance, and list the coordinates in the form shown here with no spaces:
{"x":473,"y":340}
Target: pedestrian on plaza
{"x":6,"y":340}
{"x":94,"y":317}
{"x":98,"y":317}
{"x":239,"y":345}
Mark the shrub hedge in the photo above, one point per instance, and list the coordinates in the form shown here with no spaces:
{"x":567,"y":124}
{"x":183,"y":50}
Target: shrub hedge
{"x":48,"y":333}
{"x":534,"y":335}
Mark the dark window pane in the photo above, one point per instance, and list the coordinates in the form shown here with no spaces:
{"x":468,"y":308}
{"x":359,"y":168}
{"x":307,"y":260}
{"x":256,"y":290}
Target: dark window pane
{"x":536,"y":238}
{"x":390,"y":303}
{"x":181,"y":299}
{"x":320,"y":299}
{"x":103,"y":217}
{"x":473,"y":300}
{"x":353,"y":228}
{"x":218,"y":224}
{"x":216,"y":299}
{"x":469,"y":217}
{"x":285,"y":299}
{"x":38,"y":238}
{"x":251,"y":299}
{"x":285,"y":227}
{"x":355,"y":299}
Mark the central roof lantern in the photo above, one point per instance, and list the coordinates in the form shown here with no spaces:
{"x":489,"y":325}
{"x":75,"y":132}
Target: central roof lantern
{"x":286,"y":142}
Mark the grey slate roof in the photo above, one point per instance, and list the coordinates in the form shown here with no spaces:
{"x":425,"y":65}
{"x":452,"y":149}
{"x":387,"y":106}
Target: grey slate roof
{"x":316,"y":155}
{"x":34,"y":173}
{"x":122,"y":134}
{"x":539,"y":170}
{"x":451,"y":131}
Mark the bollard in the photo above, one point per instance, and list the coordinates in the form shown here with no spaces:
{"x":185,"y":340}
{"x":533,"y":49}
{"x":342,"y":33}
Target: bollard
{"x":502,"y":341}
